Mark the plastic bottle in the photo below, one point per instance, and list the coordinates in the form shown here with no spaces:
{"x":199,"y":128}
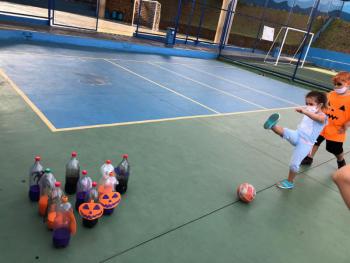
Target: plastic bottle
{"x":54,"y":201}
{"x":83,"y":187}
{"x":91,"y":210}
{"x":93,"y":194}
{"x":107,"y":183}
{"x":107,"y":188}
{"x":35,"y":173}
{"x":46,"y":184}
{"x":64,"y":225}
{"x":123,"y":172}
{"x":106,"y":168}
{"x":72,"y":174}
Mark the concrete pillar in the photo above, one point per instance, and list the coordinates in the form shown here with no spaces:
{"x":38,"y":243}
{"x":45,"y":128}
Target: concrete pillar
{"x":102,"y":8}
{"x":222,"y":18}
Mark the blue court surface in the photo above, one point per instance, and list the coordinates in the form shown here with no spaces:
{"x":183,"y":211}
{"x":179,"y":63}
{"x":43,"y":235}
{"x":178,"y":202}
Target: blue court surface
{"x":74,"y":88}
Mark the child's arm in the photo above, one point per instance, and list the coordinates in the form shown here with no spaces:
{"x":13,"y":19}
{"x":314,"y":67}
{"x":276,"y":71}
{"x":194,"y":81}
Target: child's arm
{"x":314,"y":116}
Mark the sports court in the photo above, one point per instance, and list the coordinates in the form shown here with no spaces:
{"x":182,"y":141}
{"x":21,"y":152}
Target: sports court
{"x":183,"y":89}
{"x":193,"y":131}
{"x":92,"y":88}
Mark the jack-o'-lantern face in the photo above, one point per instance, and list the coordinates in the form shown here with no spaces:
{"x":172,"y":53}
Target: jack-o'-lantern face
{"x":91,"y":211}
{"x":109,"y":200}
{"x":335,"y":112}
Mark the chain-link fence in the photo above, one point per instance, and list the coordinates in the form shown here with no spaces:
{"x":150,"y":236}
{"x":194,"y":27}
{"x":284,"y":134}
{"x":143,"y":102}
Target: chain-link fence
{"x":281,"y":37}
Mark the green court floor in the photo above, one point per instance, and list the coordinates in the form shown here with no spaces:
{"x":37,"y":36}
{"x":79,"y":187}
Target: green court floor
{"x":310,"y":73}
{"x":181,"y":204}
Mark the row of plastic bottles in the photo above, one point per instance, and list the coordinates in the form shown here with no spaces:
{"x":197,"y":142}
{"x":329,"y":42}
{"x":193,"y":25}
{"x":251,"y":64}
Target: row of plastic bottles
{"x":92,"y":200}
{"x":122,"y":172}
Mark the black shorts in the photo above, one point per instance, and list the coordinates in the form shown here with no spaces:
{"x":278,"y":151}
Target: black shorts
{"x":333,"y":147}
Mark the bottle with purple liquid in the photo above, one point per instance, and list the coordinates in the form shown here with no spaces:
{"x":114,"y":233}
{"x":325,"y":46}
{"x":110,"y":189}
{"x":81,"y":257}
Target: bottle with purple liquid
{"x":46,"y":184}
{"x":91,"y":210}
{"x":83,"y":187}
{"x":72,"y":175}
{"x":106,"y":191}
{"x":64,"y":224}
{"x":35,"y":173}
{"x":123,"y":172}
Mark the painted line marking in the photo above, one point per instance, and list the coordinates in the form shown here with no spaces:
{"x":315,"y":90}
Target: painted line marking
{"x":168,"y":119}
{"x":288,"y":72}
{"x":28,"y":101}
{"x":103,"y":58}
{"x":208,"y":86}
{"x":244,"y":86}
{"x":162,"y":86}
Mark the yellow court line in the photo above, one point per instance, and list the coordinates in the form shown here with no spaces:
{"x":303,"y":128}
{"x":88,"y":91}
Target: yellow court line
{"x":299,"y":74}
{"x":169,"y":119}
{"x":28,"y":101}
{"x":321,"y":70}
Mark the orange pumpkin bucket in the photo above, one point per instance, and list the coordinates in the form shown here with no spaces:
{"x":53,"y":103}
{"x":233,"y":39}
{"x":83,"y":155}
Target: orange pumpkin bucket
{"x":90,"y":212}
{"x":109,"y":201}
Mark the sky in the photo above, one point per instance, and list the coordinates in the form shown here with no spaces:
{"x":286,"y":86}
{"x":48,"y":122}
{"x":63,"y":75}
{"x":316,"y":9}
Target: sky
{"x":325,"y":4}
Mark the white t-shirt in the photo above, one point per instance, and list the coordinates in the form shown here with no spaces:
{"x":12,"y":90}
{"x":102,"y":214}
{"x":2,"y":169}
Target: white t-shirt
{"x":309,"y":129}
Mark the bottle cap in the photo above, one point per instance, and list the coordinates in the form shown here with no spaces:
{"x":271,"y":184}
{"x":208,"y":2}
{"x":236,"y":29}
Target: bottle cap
{"x":64,"y":199}
{"x":125,"y":156}
{"x":74,"y":154}
{"x":47,"y":170}
{"x":37,"y":158}
{"x":84,"y":172}
{"x":57,"y":184}
{"x":111,"y":174}
{"x":94,"y":184}
{"x":108,"y":162}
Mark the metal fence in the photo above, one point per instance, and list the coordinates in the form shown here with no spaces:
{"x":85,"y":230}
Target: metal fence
{"x":75,"y":14}
{"x":281,"y":38}
{"x":295,"y":39}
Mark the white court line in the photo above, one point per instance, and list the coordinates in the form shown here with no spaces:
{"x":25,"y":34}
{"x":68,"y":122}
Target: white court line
{"x":100,"y":58}
{"x":288,"y":72}
{"x":168,"y":119}
{"x":87,"y":57}
{"x":208,"y":86}
{"x":118,"y":59}
{"x":163,"y":87}
{"x":244,"y":86}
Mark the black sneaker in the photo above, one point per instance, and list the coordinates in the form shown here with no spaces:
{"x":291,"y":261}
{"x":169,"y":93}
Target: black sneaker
{"x":307,"y":161}
{"x":341,"y":163}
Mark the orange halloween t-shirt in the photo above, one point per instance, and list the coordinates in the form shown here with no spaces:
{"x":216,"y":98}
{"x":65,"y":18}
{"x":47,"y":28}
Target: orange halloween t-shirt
{"x":338,"y":113}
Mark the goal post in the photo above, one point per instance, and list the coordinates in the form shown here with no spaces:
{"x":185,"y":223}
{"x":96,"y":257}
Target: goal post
{"x":147,"y":14}
{"x":290,"y":59}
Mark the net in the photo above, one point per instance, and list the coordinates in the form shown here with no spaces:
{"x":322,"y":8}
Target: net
{"x":148,"y":15}
{"x":279,"y":43}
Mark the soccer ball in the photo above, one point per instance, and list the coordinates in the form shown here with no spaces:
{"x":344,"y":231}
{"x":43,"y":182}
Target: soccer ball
{"x":246,"y":192}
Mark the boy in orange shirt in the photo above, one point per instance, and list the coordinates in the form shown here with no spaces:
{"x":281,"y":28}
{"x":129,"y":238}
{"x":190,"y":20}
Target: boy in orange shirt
{"x":338,"y":113}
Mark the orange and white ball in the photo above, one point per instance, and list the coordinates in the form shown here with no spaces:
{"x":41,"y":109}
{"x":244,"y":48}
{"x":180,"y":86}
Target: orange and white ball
{"x":246,"y":192}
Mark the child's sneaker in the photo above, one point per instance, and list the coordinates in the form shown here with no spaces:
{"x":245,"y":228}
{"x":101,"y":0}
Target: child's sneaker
{"x":271,"y":121}
{"x":341,"y":163}
{"x":307,"y":161}
{"x":285,"y":184}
